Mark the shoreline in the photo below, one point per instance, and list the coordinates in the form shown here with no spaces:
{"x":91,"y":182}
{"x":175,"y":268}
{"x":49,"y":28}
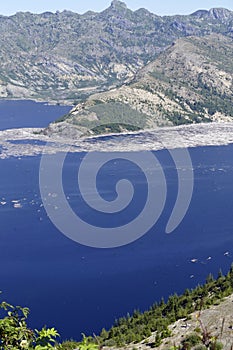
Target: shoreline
{"x":183,"y":136}
{"x":38,"y":100}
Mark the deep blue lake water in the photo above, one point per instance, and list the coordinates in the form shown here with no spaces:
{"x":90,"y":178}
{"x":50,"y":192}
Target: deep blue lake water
{"x":28,"y":114}
{"x":82,"y":289}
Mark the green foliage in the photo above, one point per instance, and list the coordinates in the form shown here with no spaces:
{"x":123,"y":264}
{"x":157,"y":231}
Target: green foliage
{"x":216,"y":346}
{"x":45,"y":338}
{"x":68,"y":345}
{"x":191,"y":340}
{"x":113,"y":128}
{"x":200,"y":347}
{"x":62,"y":118}
{"x":15,"y":334}
{"x":114,"y":112}
{"x":86,"y":344}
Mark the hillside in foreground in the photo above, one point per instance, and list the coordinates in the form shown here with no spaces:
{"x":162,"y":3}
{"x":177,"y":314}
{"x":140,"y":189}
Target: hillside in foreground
{"x":215,"y":323}
{"x":201,"y":318}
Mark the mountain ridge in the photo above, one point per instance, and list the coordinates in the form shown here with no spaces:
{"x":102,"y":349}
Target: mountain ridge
{"x":189,"y":82}
{"x":40,"y":61}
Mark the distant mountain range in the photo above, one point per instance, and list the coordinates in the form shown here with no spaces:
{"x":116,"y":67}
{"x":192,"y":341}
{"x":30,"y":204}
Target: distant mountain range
{"x":121,"y":65}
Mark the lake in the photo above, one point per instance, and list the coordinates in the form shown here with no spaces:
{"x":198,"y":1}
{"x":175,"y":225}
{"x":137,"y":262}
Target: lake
{"x":28,"y":114}
{"x":82,"y":289}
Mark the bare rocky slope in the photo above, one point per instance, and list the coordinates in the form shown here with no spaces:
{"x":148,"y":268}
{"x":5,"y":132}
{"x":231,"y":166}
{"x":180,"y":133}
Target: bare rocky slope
{"x":64,"y":56}
{"x":217,"y":321}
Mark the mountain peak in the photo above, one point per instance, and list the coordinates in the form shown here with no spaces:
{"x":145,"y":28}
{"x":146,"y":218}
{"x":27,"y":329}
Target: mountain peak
{"x":200,"y":13}
{"x":220,"y":13}
{"x":116,"y":4}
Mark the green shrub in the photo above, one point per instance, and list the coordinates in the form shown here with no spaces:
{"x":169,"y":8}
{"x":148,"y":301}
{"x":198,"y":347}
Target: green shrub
{"x":15,"y":334}
{"x":216,"y":346}
{"x":191,"y":340}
